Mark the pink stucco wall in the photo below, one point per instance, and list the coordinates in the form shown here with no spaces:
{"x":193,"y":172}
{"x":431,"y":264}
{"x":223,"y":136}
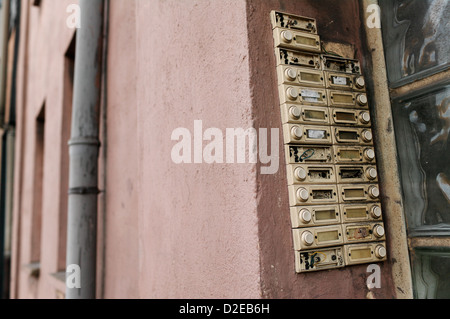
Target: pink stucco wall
{"x":186,"y":230}
{"x":170,"y":230}
{"x":165,"y":230}
{"x":121,"y":207}
{"x":44,"y":41}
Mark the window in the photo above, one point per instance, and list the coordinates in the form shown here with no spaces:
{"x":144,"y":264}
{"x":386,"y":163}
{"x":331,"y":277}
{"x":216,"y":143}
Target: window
{"x":417,"y":50}
{"x":38,"y":187}
{"x":431,"y":267}
{"x":421,"y":121}
{"x":415,"y":39}
{"x":69,"y":69}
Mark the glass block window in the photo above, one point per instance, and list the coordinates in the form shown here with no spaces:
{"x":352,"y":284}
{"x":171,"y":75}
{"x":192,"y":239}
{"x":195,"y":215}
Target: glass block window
{"x":431,"y":273}
{"x":417,"y":47}
{"x":415,"y":35}
{"x":422,"y":127}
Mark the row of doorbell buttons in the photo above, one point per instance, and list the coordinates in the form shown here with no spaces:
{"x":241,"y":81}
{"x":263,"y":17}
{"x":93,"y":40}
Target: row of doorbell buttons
{"x":316,"y":115}
{"x":326,"y":174}
{"x":291,"y":75}
{"x":324,"y":154}
{"x":338,"y":257}
{"x":322,"y":215}
{"x":325,"y":236}
{"x":330,"y":194}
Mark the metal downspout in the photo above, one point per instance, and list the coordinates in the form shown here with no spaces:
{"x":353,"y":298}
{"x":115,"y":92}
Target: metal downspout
{"x":84,"y":151}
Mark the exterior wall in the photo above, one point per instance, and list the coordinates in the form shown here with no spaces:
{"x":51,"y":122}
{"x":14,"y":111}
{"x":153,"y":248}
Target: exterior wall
{"x":44,"y":42}
{"x":120,"y":201}
{"x":336,"y":23}
{"x":168,"y":230}
{"x":197,"y":222}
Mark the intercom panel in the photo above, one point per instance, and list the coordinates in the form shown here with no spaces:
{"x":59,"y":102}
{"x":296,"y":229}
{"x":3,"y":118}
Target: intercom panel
{"x":332,"y":179}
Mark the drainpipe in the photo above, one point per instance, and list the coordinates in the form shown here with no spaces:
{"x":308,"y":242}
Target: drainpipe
{"x":4,"y":29}
{"x":84,"y":152}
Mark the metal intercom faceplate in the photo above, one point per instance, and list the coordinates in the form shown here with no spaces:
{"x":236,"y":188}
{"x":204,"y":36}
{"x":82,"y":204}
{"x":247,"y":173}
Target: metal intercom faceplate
{"x":333,"y":183}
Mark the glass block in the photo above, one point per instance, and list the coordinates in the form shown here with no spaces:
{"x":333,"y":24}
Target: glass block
{"x":422,"y":127}
{"x":430,"y":268}
{"x":415,"y":35}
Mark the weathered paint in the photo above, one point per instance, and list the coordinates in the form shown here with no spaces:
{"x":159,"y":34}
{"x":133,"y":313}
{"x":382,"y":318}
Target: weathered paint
{"x":43,"y":44}
{"x":198,"y":233}
{"x":385,"y":142}
{"x":336,"y":23}
{"x":177,"y":231}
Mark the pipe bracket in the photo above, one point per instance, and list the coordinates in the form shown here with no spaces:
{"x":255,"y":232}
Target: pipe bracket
{"x":84,"y":191}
